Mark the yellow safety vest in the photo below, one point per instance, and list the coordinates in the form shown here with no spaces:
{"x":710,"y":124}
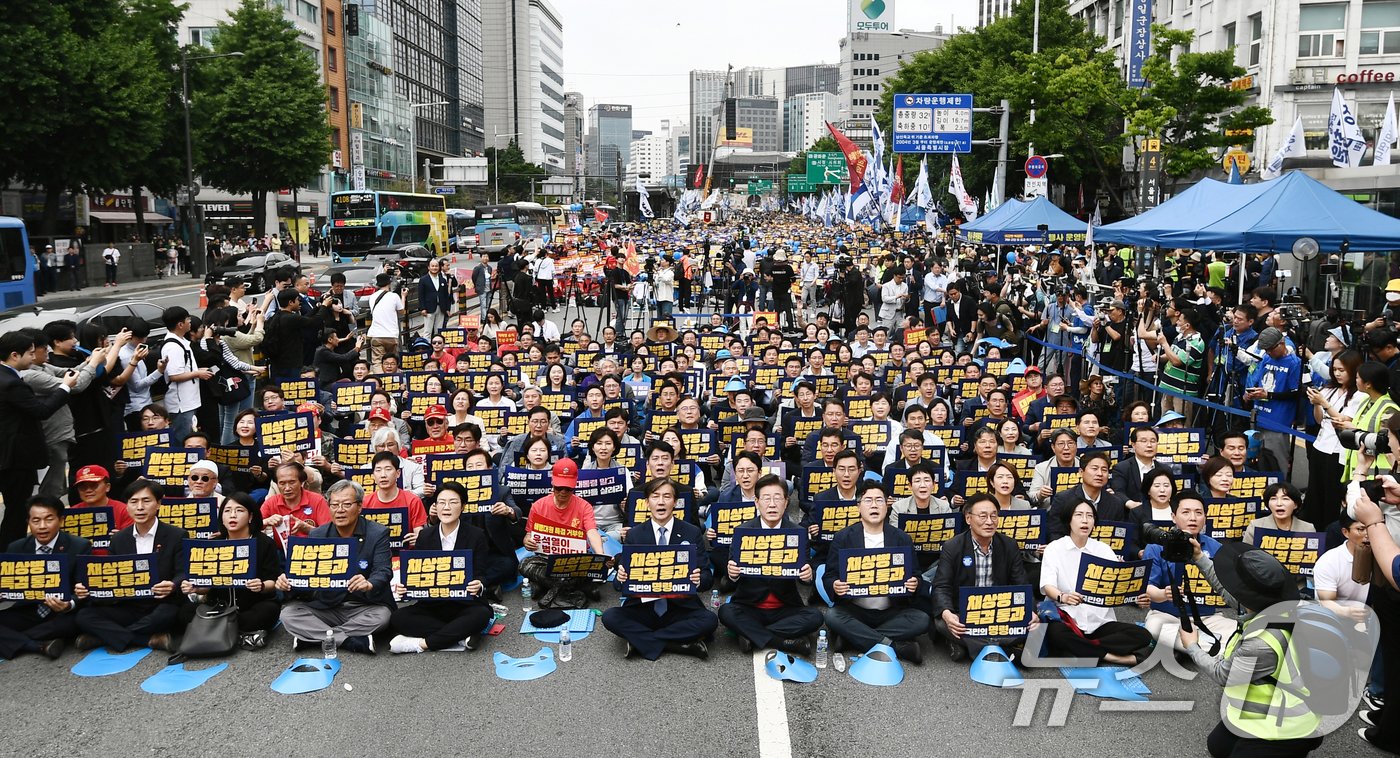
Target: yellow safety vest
{"x":1369,"y":419}
{"x":1270,"y":709}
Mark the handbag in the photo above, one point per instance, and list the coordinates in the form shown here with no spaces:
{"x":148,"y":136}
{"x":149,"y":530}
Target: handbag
{"x":213,"y":631}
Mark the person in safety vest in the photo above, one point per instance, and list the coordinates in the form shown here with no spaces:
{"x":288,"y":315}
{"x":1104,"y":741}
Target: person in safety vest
{"x":1264,"y":711}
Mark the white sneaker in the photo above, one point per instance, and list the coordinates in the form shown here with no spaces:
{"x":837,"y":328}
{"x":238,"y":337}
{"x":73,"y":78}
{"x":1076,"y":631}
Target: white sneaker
{"x":402,"y":644}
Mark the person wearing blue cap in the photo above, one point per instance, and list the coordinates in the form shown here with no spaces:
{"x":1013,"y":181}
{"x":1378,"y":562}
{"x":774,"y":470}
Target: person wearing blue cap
{"x":867,"y":621}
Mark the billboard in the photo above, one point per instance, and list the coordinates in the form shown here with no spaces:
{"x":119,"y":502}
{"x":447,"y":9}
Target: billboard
{"x":870,"y":16}
{"x":743,"y":137}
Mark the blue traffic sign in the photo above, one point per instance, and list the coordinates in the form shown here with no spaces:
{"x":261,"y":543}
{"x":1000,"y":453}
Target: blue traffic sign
{"x":1036,"y":167}
{"x":444,"y":190}
{"x":932,"y":123}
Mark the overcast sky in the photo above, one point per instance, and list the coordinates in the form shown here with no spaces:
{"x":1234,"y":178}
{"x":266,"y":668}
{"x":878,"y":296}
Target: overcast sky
{"x":638,"y":52}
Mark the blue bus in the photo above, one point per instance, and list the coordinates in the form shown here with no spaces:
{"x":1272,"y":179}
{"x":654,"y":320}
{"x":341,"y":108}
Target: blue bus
{"x":498,"y":226}
{"x":17,"y":277}
{"x":363,"y":220}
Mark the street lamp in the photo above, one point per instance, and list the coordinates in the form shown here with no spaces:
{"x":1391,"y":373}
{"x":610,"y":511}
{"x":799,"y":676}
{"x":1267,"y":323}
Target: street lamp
{"x":496,"y":170}
{"x":413,"y":138}
{"x":195,"y":229}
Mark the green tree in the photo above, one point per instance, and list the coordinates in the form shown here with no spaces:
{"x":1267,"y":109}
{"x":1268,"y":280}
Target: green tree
{"x":516,"y":173}
{"x":156,"y":22}
{"x":259,"y":120}
{"x":1077,"y":93}
{"x":83,"y":98}
{"x":1189,"y":103}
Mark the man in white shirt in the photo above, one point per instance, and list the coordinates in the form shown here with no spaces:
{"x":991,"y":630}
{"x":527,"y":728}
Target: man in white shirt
{"x":385,"y":311}
{"x":544,"y":279}
{"x":811,"y":272}
{"x":181,"y":374}
{"x":893,"y":295}
{"x":111,"y":256}
{"x":935,"y":288}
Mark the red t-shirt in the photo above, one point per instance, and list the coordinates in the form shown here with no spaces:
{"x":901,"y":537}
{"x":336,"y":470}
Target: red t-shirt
{"x":560,"y":532}
{"x":417,"y":514}
{"x":121,"y":519}
{"x":313,"y":509}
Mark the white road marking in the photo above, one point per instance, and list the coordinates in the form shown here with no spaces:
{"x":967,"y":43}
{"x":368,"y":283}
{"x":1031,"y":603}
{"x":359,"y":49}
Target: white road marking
{"x":774,"y":741}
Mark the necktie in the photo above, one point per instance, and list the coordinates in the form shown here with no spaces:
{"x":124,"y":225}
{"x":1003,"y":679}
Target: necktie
{"x":44,"y":610}
{"x":660,"y":605}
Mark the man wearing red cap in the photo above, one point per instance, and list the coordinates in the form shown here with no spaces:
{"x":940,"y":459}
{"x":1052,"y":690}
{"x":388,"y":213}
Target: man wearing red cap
{"x":94,"y":487}
{"x":439,"y":440}
{"x":561,"y":523}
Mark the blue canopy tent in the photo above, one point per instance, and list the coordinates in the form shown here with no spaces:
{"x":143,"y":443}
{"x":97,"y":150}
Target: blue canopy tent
{"x":1036,"y":222}
{"x":1258,"y":218}
{"x":988,"y":221}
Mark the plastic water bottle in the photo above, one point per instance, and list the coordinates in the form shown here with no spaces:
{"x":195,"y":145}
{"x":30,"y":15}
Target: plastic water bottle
{"x":566,"y":647}
{"x":714,"y":599}
{"x":838,"y":662}
{"x":821,"y":649}
{"x":526,"y":594}
{"x":328,"y":646}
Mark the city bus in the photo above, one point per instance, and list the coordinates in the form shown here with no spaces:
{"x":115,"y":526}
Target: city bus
{"x":461,"y":228}
{"x":362,"y":220}
{"x":498,"y":226}
{"x":17,"y":275}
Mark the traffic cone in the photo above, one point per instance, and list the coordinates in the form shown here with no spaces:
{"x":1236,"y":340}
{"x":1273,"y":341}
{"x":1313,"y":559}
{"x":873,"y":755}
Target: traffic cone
{"x":203,"y":298}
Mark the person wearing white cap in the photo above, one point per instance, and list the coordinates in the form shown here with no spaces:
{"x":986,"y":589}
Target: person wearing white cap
{"x":202,"y":480}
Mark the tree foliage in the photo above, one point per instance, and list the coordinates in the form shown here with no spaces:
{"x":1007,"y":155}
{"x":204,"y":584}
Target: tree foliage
{"x":1189,"y":103}
{"x":259,"y":120}
{"x":516,"y":172}
{"x":156,"y":22}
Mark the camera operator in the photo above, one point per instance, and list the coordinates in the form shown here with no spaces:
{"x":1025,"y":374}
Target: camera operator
{"x":1170,"y":585}
{"x":1390,"y":316}
{"x":619,"y":287}
{"x":1381,"y":344}
{"x":1264,"y":300}
{"x":1357,"y":435}
{"x":1109,"y":333}
{"x":1143,"y":363}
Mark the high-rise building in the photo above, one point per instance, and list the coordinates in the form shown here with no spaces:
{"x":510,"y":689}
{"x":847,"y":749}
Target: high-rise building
{"x":805,"y":117}
{"x":573,"y":133}
{"x":379,"y":119}
{"x":991,"y":10}
{"x":821,"y":77}
{"x":706,"y":94}
{"x":523,"y":49}
{"x":867,"y":60}
{"x":609,"y":141}
{"x":749,"y":122}
{"x":648,"y":161}
{"x":437,"y":45}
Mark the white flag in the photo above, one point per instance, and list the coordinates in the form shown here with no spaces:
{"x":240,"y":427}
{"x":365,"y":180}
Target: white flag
{"x":1293,"y":147}
{"x":955,"y":188}
{"x":644,"y":200}
{"x":1094,"y":221}
{"x":1343,"y":134}
{"x":1387,"y":136}
{"x":923,"y":196}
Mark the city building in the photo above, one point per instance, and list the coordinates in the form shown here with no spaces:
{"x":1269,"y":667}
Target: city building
{"x":573,"y":133}
{"x":1293,"y":55}
{"x":991,"y":10}
{"x":380,"y":123}
{"x":867,"y":60}
{"x":649,"y":158}
{"x":523,"y":49}
{"x":753,"y":123}
{"x":707,"y":92}
{"x":805,"y":117}
{"x":678,"y":162}
{"x":609,"y":142}
{"x":820,"y":77}
{"x":437,"y":46}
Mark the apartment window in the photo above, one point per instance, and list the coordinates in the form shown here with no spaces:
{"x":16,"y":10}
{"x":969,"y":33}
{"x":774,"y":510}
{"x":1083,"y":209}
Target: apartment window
{"x":330,"y":22}
{"x":1229,"y":35}
{"x":332,"y":59}
{"x":1118,"y":18}
{"x":335,"y":99}
{"x":203,"y":36}
{"x":1380,"y":28}
{"x":1256,"y":38}
{"x":308,"y":11}
{"x":335,"y":137}
{"x":1321,"y":30}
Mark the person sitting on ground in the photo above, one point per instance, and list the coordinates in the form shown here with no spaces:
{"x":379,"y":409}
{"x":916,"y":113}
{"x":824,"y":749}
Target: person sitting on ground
{"x":43,"y":627}
{"x":443,"y":624}
{"x":1164,"y":619}
{"x":257,"y":602}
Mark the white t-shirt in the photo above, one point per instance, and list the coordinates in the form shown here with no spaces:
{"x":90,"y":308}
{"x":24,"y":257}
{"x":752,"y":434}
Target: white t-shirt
{"x":180,"y":396}
{"x":1059,"y":567}
{"x":112,"y":255}
{"x":384,"y":313}
{"x":1333,"y":573}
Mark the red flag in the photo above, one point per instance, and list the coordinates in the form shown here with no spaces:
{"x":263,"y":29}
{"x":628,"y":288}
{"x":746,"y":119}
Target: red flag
{"x":699,"y":175}
{"x":600,"y":215}
{"x":897,"y":185}
{"x":855,"y":159}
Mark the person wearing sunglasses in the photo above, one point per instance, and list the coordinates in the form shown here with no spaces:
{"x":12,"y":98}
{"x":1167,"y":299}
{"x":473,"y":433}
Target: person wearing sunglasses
{"x":202,"y":480}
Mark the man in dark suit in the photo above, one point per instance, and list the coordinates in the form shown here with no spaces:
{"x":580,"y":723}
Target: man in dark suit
{"x":978,"y":557}
{"x":770,"y":612}
{"x":1125,"y":481}
{"x":22,"y":452}
{"x":42,"y":627}
{"x":435,"y":298}
{"x":868,"y":621}
{"x":119,"y":623}
{"x":846,"y":470}
{"x":960,"y":317}
{"x":675,"y":623}
{"x":355,"y":613}
{"x":1093,"y":486}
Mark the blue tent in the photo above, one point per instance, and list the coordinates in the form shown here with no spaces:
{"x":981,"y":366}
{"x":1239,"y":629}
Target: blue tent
{"x":988,"y":221}
{"x":1258,"y":218}
{"x":1023,"y":225}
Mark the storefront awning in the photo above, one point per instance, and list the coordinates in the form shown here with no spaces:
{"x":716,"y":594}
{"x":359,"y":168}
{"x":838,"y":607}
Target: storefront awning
{"x":126,"y":217}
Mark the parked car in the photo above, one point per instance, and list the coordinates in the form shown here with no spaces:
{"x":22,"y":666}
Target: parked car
{"x":111,"y":316}
{"x":412,"y":259}
{"x":254,"y":268}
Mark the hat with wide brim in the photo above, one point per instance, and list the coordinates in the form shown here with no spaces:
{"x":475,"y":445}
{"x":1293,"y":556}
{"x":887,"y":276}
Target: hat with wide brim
{"x":786,"y":667}
{"x":878,"y":667}
{"x":1254,"y":577}
{"x":993,"y":667}
{"x":663,"y":333}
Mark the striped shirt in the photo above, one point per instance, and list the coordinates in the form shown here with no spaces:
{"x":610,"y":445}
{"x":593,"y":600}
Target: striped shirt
{"x":1189,"y":376}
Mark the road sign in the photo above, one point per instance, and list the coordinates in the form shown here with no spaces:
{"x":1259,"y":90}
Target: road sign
{"x":1237,"y":156}
{"x":827,"y":168}
{"x":1037,"y":186}
{"x":932,"y":123}
{"x":444,"y":190}
{"x":760,"y":187}
{"x":797,"y":184}
{"x":1036,"y":167}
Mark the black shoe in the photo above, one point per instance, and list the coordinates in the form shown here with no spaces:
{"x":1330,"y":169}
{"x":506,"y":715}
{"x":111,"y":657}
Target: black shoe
{"x":472,"y":642}
{"x":1372,"y":702}
{"x":363,"y":644}
{"x":745,"y":644}
{"x":86,"y":642}
{"x":834,"y":643}
{"x":1370,"y":718}
{"x":299,"y":644}
{"x":799,"y":646}
{"x":694,"y":648}
{"x":51,"y":649}
{"x":253,"y":640}
{"x":627,"y":650}
{"x":956,"y":652}
{"x":909,"y":650}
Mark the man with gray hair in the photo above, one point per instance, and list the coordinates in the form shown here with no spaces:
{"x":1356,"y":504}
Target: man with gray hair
{"x":355,"y":613}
